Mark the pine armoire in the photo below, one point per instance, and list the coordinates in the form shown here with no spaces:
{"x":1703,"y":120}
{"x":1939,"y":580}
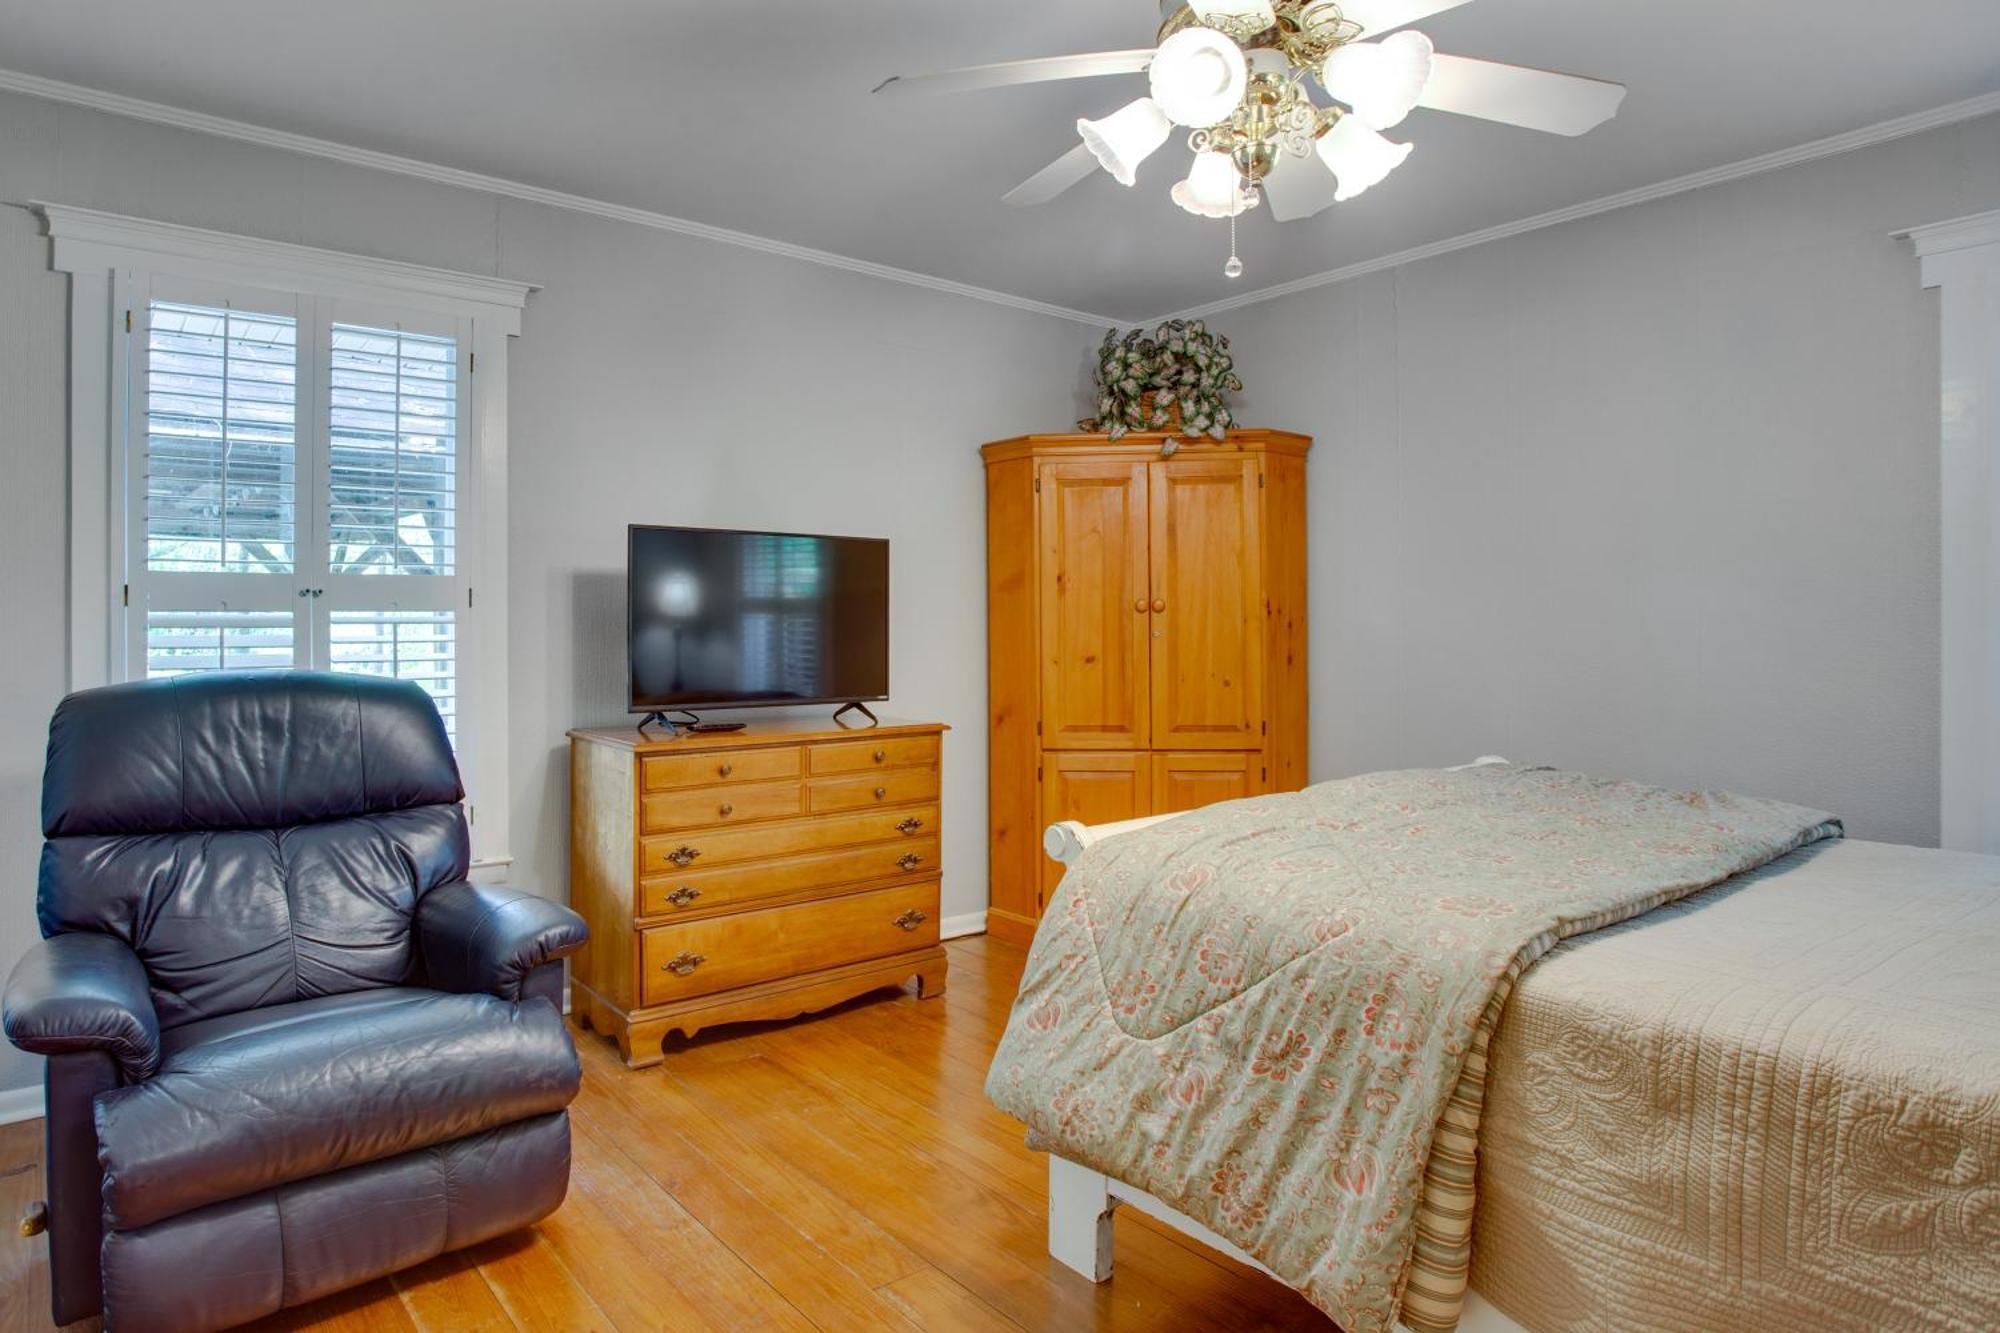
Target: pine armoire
{"x":1146,"y":636}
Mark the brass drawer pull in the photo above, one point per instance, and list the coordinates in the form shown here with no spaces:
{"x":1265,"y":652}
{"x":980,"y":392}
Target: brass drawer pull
{"x":909,"y":826}
{"x":683,"y":855}
{"x":880,"y":792}
{"x":909,"y":860}
{"x":911,"y":919}
{"x":681,"y":964}
{"x":684,"y":895}
{"x":725,"y":770}
{"x":725,"y":810}
{"x":880,"y":755}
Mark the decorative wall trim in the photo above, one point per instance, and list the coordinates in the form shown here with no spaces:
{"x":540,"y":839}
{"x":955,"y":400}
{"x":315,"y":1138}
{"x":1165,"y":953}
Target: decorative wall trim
{"x":18,"y":1104}
{"x":1866,"y":137}
{"x":55,"y":90}
{"x":90,"y":239}
{"x":968,"y":923}
{"x":1961,"y":258}
{"x":1943,"y":238}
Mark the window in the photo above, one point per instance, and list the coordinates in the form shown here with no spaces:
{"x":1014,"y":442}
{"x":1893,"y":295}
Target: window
{"x":282,"y":456}
{"x":296,"y":490}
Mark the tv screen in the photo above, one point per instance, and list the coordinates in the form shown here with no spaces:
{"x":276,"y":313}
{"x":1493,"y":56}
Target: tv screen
{"x":720,"y":618}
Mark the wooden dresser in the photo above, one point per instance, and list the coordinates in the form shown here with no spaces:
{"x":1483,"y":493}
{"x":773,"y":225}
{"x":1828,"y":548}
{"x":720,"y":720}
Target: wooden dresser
{"x":754,"y":874}
{"x":1146,"y":636}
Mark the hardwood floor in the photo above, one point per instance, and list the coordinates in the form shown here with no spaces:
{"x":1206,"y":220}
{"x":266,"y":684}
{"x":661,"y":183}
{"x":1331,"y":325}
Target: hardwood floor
{"x":838,"y":1172}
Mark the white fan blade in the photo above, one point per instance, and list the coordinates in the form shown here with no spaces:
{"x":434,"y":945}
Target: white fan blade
{"x":1052,"y":179}
{"x":1240,"y":11}
{"x":1537,"y":99}
{"x":1012,"y":72}
{"x":1299,"y":187}
{"x":1379,"y":16}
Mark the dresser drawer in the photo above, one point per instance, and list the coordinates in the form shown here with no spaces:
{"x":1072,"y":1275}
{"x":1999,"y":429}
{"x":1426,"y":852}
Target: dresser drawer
{"x":895,"y":786}
{"x":725,"y":886}
{"x":660,"y":771}
{"x":669,"y":854}
{"x":700,"y":957}
{"x":710,"y":807}
{"x":864,"y":756}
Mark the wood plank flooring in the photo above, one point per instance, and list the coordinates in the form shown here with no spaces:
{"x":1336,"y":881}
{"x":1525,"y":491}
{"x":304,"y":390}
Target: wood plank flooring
{"x":838,"y":1172}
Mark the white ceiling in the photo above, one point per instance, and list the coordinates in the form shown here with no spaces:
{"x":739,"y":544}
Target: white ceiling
{"x":757,"y":117}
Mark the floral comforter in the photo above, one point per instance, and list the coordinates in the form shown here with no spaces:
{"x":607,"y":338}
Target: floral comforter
{"x":1271,"y":1014}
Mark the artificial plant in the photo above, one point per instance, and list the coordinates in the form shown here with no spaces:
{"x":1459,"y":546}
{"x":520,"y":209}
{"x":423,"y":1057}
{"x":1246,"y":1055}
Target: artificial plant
{"x":1147,"y":381}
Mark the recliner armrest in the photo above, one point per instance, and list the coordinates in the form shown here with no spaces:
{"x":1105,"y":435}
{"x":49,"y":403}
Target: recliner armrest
{"x":489,"y":937}
{"x":84,"y":991}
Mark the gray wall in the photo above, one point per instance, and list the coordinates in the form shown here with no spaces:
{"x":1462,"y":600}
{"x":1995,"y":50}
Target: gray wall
{"x":659,"y":378}
{"x":1654,"y":493}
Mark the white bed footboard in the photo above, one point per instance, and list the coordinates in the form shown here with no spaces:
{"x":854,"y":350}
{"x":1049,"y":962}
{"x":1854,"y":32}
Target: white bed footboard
{"x":1081,"y":1202}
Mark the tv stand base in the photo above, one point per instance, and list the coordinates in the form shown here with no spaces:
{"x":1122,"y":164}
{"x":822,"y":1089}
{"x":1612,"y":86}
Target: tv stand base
{"x":856,"y":706}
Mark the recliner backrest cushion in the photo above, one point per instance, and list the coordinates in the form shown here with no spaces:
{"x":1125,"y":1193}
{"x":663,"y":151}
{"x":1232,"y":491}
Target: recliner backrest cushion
{"x":256,"y":838}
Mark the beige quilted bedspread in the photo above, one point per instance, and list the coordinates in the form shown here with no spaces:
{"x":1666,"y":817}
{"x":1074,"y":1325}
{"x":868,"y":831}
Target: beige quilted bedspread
{"x":1774,"y":1105}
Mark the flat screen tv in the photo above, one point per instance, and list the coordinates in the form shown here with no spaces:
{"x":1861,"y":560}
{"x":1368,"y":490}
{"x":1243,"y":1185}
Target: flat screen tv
{"x":718,"y":618}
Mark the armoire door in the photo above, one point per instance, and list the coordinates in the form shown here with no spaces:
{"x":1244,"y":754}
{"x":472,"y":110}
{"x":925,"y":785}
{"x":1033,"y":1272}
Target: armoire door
{"x":1207,"y":611}
{"x":1093,"y":594}
{"x":1099,"y":788}
{"x":1188,"y":781}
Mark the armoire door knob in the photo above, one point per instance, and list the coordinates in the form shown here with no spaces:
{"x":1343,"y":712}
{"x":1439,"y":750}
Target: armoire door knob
{"x":1159,"y":604}
{"x":1139,"y":605}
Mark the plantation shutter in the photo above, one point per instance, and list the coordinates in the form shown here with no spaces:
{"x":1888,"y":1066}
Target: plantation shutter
{"x":296,"y":501}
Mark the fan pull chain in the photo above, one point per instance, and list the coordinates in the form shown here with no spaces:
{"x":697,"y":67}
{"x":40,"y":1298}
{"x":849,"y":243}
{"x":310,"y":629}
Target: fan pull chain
{"x":1234,"y":268}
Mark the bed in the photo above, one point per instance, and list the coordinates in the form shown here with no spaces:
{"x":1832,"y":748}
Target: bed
{"x":1772,"y":1103}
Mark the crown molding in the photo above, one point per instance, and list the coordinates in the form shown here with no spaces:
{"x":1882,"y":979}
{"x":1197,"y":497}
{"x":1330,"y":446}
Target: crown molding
{"x":89,"y":238}
{"x":1867,"y":136}
{"x":55,"y":90}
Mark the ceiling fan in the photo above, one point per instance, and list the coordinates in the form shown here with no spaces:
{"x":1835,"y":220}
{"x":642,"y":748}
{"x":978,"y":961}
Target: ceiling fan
{"x":1236,"y":74}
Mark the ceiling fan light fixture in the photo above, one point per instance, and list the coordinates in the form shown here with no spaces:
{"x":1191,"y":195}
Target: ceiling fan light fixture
{"x":1198,"y":77}
{"x":1381,"y":80}
{"x":1126,"y":137}
{"x":1252,"y":15}
{"x":1358,"y":156}
{"x":1213,"y":188}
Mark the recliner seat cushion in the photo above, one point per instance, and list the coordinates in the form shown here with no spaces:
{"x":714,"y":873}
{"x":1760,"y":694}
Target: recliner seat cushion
{"x":262,"y":1097}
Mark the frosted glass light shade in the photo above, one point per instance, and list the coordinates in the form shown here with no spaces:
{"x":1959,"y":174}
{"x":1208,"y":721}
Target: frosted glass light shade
{"x":1213,"y":188}
{"x":1126,"y":137}
{"x":1358,"y":156}
{"x":1198,"y":76}
{"x":1380,"y":80}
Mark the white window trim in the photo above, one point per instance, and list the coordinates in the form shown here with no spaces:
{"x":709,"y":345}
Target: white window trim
{"x":109,"y":257}
{"x":1961,"y":258}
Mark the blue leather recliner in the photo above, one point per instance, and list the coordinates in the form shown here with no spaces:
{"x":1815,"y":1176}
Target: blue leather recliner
{"x":291,"y":1047}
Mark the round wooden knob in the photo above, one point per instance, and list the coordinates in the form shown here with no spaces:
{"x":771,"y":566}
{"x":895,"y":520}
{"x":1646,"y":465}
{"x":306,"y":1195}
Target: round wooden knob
{"x":725,"y":810}
{"x":880,"y":792}
{"x":880,"y":755}
{"x":726,"y":770}
{"x":1159,"y":604}
{"x":1139,"y":605}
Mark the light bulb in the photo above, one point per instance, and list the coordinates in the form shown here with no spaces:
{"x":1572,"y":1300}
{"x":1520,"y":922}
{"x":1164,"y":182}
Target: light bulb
{"x":1380,"y":80}
{"x":1358,"y":156}
{"x":1126,"y":137}
{"x":1233,"y":269}
{"x":1213,"y":188}
{"x":1198,"y":77}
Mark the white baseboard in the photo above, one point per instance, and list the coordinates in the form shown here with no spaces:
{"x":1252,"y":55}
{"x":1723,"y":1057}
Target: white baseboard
{"x":18,"y":1104}
{"x":970,"y":923}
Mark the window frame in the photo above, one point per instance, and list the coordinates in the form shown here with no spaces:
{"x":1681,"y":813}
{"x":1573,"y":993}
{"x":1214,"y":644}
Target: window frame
{"x":1961,"y":259}
{"x":116,"y":264}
